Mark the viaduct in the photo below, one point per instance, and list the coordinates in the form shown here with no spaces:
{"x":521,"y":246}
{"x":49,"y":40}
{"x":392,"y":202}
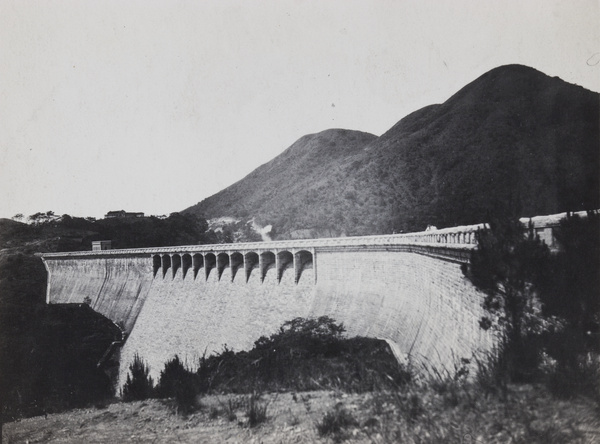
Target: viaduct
{"x":405,"y":288}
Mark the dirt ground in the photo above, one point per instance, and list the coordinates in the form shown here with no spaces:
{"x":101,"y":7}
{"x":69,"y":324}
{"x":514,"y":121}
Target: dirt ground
{"x":293,"y":418}
{"x":154,"y":421}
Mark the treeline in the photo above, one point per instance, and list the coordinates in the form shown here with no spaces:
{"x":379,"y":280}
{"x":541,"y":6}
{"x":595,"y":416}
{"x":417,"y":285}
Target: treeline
{"x":77,"y":233}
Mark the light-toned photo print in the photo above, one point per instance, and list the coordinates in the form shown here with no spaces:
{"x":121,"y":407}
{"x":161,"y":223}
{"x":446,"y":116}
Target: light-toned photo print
{"x":294,"y":221}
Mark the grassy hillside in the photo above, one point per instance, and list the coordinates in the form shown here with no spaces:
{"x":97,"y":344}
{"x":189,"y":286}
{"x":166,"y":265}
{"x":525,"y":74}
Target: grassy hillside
{"x":514,"y":139}
{"x":281,"y":190}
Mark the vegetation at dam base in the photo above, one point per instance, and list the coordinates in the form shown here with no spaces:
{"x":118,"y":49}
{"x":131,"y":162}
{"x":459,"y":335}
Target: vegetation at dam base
{"x":304,"y":355}
{"x":529,"y":416}
{"x":361,"y":398}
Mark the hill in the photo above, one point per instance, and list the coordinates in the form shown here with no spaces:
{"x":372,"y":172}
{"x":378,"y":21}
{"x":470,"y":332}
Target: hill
{"x":514,"y":139}
{"x":286,"y":186}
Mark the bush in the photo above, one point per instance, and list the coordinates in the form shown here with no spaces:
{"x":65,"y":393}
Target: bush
{"x":139,"y":384}
{"x":336,"y":422}
{"x":170,"y":378}
{"x":492,"y":376}
{"x":305,"y":337}
{"x":179,"y":383}
{"x":542,"y":304}
{"x":256,"y":410}
{"x":450,"y":385}
{"x":511,"y":265}
{"x":305,"y":354}
{"x":572,"y":379}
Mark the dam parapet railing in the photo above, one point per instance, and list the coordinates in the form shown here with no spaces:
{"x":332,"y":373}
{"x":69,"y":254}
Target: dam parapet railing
{"x":460,"y":237}
{"x":451,"y":244}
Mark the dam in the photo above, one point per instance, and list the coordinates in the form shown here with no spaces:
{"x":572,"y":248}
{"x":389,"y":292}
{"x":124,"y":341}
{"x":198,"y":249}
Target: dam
{"x":407,"y":289}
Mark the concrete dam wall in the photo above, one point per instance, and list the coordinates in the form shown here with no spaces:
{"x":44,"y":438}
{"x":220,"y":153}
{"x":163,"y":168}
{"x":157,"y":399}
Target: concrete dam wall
{"x":406,"y":289}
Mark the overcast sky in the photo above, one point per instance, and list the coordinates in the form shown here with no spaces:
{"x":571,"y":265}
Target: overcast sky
{"x":154,"y":105}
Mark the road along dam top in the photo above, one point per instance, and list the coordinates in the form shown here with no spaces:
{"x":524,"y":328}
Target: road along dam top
{"x":187,"y":300}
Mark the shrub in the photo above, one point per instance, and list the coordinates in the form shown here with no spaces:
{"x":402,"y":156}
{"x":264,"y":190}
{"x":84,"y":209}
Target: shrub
{"x":230,"y":410}
{"x":450,"y":385}
{"x":305,"y":337}
{"x":186,"y":394}
{"x":256,"y":410}
{"x":492,"y":376}
{"x":177,"y":382}
{"x":305,"y":354}
{"x":582,"y":377}
{"x":411,"y":405}
{"x":336,"y":422}
{"x":139,"y":384}
{"x":576,"y":273}
{"x":572,"y":294}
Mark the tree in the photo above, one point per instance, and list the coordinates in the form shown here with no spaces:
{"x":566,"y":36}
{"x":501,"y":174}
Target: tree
{"x":40,"y":218}
{"x":572,"y":294}
{"x":305,"y":337}
{"x":18,"y":216}
{"x":139,"y":385}
{"x":511,"y":265}
{"x":36,"y":218}
{"x":176,"y":381}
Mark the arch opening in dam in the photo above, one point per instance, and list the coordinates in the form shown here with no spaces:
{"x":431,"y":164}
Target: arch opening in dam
{"x":198,"y":263}
{"x":267,"y":262}
{"x":166,"y":264}
{"x":237,"y":262}
{"x":285,"y":260}
{"x":186,"y":264}
{"x":157,"y":264}
{"x":210,"y":262}
{"x":251,"y":263}
{"x":222,"y":264}
{"x":176,"y":261}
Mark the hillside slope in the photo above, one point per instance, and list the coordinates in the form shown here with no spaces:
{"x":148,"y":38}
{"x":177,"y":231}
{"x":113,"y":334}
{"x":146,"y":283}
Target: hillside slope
{"x":277,"y":191}
{"x":514,"y":140}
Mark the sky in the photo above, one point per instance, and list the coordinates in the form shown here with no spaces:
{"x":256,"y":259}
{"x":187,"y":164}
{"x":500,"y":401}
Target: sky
{"x":152,"y":106}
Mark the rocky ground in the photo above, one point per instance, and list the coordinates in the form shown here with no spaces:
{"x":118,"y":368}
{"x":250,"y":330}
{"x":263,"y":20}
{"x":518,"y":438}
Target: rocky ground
{"x":529,"y":415}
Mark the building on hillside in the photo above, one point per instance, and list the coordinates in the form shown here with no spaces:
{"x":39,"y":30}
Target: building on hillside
{"x":121,"y":213}
{"x":101,"y":245}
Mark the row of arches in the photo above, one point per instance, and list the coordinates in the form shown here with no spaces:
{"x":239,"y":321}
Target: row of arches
{"x":229,"y":265}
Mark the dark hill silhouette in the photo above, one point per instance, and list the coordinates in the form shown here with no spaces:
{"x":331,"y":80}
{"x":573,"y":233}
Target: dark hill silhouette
{"x":514,"y":140}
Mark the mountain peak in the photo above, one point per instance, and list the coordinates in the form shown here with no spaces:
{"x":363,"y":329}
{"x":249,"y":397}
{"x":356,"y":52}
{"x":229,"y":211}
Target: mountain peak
{"x":513,"y":138}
